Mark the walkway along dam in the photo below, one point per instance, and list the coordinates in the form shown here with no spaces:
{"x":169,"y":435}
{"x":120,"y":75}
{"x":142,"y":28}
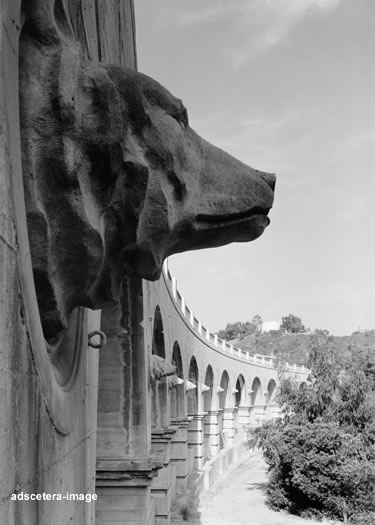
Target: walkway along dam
{"x":109,"y":383}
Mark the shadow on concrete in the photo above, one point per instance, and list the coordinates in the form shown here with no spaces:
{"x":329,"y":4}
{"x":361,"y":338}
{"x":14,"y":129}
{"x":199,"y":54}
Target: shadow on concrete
{"x":257,"y":486}
{"x":186,"y":516}
{"x":185,"y":511}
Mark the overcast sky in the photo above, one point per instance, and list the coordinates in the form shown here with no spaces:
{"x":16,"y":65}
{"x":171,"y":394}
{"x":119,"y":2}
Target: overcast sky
{"x":286,"y":86}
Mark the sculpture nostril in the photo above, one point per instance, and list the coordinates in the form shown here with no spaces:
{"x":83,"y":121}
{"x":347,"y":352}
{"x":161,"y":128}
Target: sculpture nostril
{"x":269,"y":178}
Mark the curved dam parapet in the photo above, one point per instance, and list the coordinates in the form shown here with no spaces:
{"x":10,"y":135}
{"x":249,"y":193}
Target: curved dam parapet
{"x":196,"y":340}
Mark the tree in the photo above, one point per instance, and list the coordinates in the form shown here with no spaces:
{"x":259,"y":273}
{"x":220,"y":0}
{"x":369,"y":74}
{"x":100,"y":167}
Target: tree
{"x":235,"y":330}
{"x":321,"y":455}
{"x":319,"y":468}
{"x":292,"y":324}
{"x":240,"y":329}
{"x":257,"y":323}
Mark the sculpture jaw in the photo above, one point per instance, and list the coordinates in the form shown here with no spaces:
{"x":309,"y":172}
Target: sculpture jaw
{"x":241,"y":230}
{"x":146,"y":259}
{"x":239,"y":227}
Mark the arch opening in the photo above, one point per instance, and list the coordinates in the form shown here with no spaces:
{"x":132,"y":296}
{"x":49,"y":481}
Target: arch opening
{"x":239,"y":399}
{"x":224,"y":402}
{"x":240,"y":392}
{"x":207,"y":394}
{"x":271,"y":411}
{"x":177,"y":391}
{"x":160,"y":415}
{"x":223,"y":394}
{"x":256,"y":392}
{"x":192,"y":394}
{"x":257,"y":403}
{"x":271,"y":391}
{"x":207,"y":408}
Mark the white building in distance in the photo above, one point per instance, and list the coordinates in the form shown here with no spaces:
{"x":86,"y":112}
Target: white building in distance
{"x":268,"y":326}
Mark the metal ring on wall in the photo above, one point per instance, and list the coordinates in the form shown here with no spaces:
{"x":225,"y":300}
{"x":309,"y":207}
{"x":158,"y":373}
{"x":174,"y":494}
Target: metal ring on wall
{"x":102,"y":336}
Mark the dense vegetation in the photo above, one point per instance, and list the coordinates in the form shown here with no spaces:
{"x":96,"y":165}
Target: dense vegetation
{"x":241,"y":329}
{"x":291,"y":345}
{"x":292,"y":324}
{"x":321,"y":455}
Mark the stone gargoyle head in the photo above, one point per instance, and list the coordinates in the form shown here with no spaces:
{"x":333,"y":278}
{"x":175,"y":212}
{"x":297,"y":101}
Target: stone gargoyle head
{"x":115,"y":178}
{"x":159,"y":368}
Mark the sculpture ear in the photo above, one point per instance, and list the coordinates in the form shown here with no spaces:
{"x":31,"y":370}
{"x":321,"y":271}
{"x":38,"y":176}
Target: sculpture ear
{"x":48,"y":19}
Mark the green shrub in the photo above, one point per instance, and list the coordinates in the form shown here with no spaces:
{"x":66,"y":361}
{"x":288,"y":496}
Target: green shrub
{"x":321,"y":456}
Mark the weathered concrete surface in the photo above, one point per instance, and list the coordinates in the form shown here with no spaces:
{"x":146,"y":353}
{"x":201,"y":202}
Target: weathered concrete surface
{"x":47,"y":431}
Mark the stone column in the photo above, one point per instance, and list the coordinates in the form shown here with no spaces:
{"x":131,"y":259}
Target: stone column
{"x":196,"y":439}
{"x":160,"y":412}
{"x":235,"y":420}
{"x":206,"y":440}
{"x":243,"y":415}
{"x":256,"y":415}
{"x":179,"y":453}
{"x":124,"y":469}
{"x":212,"y":432}
{"x":272,"y":411}
{"x":163,"y":486}
{"x":124,"y":495}
{"x":228,"y":426}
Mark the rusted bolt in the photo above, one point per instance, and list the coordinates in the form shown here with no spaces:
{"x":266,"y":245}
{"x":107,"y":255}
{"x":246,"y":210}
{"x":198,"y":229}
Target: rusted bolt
{"x":102,"y":337}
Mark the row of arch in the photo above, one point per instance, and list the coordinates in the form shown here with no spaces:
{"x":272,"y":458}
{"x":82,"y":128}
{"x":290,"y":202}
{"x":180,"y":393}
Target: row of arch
{"x":178,"y":397}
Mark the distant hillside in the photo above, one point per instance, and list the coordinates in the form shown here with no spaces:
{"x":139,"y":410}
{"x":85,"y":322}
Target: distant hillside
{"x":294,"y":348}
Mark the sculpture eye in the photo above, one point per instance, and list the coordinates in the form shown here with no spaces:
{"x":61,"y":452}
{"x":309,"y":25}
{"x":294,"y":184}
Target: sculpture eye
{"x":181,"y":116}
{"x":184,"y":119}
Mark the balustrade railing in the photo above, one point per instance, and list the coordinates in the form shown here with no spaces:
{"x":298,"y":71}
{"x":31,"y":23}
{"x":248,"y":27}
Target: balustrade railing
{"x":220,"y":344}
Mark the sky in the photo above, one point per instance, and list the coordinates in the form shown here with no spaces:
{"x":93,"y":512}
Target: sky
{"x":286,"y":86}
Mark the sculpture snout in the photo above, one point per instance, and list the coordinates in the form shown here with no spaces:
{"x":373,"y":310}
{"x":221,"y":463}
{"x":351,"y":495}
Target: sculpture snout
{"x":269,"y":178}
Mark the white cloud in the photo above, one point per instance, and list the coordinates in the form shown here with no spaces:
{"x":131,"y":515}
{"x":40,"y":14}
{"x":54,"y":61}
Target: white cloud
{"x":260,"y":24}
{"x":268,"y":22}
{"x":195,"y":12}
{"x":254,"y":122}
{"x":365,"y":138}
{"x":201,"y":15}
{"x":280,"y":122}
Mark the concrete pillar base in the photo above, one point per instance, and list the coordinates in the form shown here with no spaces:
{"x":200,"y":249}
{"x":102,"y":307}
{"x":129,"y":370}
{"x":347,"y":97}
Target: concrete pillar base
{"x":211,"y":433}
{"x":196,"y":439}
{"x":257,"y":415}
{"x":272,"y":411}
{"x":243,"y":416}
{"x":179,"y":453}
{"x":163,"y":486}
{"x":228,"y":426}
{"x":124,"y":492}
{"x":235,"y":420}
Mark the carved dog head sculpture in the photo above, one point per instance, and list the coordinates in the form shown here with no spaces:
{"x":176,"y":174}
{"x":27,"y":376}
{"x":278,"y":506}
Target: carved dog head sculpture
{"x":159,"y":368}
{"x":115,"y":178}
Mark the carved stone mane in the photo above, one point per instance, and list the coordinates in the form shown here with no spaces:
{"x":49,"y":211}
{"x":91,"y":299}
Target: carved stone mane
{"x":115,"y":179}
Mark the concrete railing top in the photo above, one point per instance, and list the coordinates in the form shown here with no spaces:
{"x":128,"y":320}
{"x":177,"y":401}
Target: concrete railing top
{"x":213,"y":340}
